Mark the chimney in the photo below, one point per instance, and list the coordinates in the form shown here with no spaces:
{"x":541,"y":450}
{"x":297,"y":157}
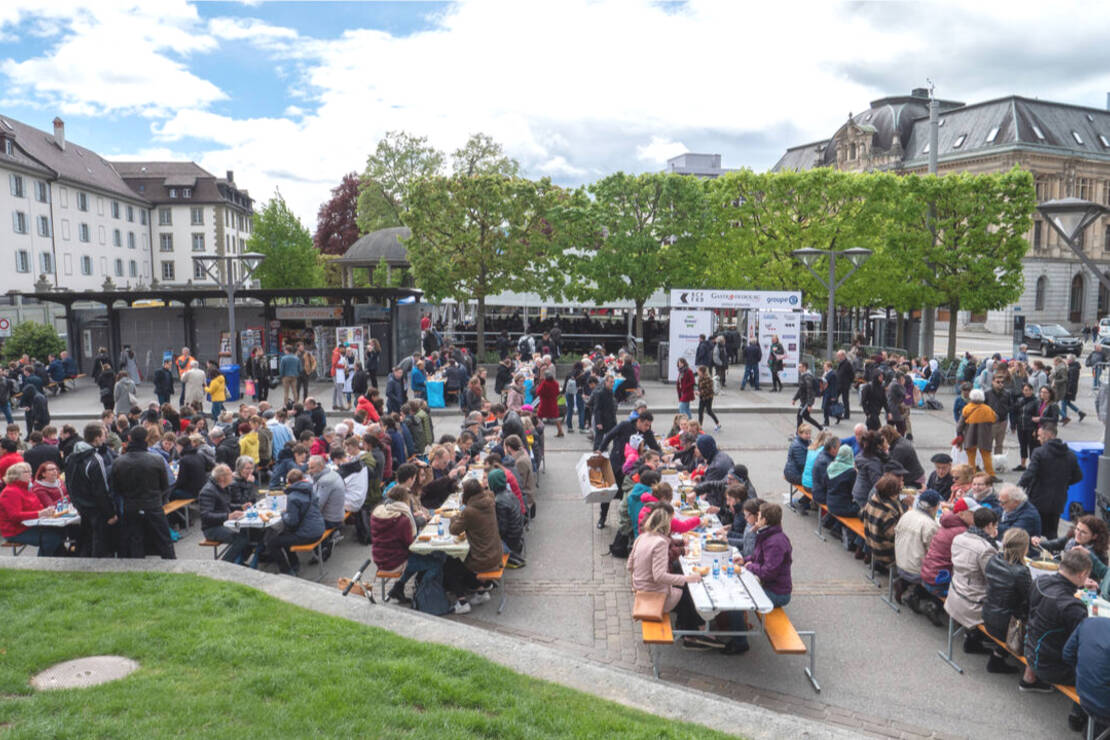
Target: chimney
{"x":231,"y":176}
{"x":60,"y":133}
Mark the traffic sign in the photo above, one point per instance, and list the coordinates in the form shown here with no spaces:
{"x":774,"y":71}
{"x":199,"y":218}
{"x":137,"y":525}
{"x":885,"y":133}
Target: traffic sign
{"x":5,"y":327}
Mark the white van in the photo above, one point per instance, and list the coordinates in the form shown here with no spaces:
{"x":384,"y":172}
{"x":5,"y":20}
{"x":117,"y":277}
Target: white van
{"x":1104,"y":328}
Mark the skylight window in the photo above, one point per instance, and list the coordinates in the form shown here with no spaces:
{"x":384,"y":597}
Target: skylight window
{"x":1075,"y":135}
{"x":1038,"y":132}
{"x":940,"y":123}
{"x":993,"y":133}
{"x":959,"y":141}
{"x":1090,"y":118}
{"x":1104,"y":141}
{"x":7,"y":125}
{"x":925,"y":149}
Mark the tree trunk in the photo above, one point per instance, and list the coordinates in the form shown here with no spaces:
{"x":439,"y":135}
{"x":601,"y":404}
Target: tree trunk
{"x":480,"y":356}
{"x":953,"y":311}
{"x":899,"y":330}
{"x":639,"y":325}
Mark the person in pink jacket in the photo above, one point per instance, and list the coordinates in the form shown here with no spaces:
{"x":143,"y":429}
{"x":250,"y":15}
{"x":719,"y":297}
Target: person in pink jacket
{"x":649,"y":565}
{"x":663,"y":492}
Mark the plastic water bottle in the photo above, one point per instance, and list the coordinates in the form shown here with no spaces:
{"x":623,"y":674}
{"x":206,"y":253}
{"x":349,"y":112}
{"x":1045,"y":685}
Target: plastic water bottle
{"x":731,"y":571}
{"x":716,"y":569}
{"x":440,"y":529}
{"x":273,"y":502}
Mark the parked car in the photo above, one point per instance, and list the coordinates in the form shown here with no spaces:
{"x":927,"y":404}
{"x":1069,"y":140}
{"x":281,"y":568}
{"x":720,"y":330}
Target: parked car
{"x":1052,"y":339}
{"x":1104,"y":328}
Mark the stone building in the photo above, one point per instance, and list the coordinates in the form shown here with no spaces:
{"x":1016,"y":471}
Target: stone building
{"x":1066,"y":147}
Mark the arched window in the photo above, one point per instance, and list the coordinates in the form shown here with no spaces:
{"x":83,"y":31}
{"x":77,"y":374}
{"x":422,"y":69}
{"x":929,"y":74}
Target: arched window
{"x":851,"y":151}
{"x":1042,"y":286}
{"x":1075,"y":301}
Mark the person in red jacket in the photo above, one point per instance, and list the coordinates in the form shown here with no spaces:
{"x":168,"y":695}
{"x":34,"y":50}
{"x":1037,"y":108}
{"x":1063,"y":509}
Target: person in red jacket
{"x":18,"y":504}
{"x":11,"y":455}
{"x":936,"y":566}
{"x":685,"y":386}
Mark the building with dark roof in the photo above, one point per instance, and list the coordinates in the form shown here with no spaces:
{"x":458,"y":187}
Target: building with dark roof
{"x":1066,"y":147}
{"x":194,"y":212}
{"x":371,"y":250}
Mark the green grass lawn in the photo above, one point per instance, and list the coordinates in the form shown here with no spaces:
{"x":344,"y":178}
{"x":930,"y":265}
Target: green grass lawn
{"x":223,"y":660}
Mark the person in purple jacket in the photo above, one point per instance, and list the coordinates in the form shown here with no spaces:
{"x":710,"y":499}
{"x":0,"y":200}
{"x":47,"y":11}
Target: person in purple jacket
{"x":771,"y":559}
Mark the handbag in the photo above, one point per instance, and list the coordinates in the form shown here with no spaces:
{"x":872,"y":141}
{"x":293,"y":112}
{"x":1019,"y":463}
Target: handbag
{"x":648,"y":606}
{"x":249,"y":387}
{"x":836,"y":408}
{"x":1015,"y":636}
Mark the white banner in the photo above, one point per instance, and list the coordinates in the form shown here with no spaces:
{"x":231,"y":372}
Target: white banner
{"x":354,"y":336}
{"x":787,"y":327}
{"x":762,"y":300}
{"x":686,"y":328}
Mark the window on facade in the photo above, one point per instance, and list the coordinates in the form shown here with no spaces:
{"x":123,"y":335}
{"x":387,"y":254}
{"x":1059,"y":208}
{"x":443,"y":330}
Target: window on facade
{"x":46,"y":262}
{"x":199,"y":272}
{"x":165,"y":242}
{"x":198,"y":242}
{"x":1042,"y":288}
{"x":16,"y":183}
{"x":1083,"y":188}
{"x":83,"y":232}
{"x":86,"y":265}
{"x":168,"y":271}
{"x":196,"y":216}
{"x":42,"y":192}
{"x":959,"y":141}
{"x":165,"y":217}
{"x":173,"y":192}
{"x":132,"y":269}
{"x":44,"y":225}
{"x":82,"y":201}
{"x":1075,"y":299}
{"x":1042,"y":187}
{"x":9,"y":148}
{"x":1037,"y":229}
{"x":104,"y":266}
{"x":115,"y":209}
{"x":130,"y":239}
{"x":119,"y":268}
{"x":117,"y":238}
{"x":19,"y":222}
{"x":142,"y":217}
{"x":22,"y":261}
{"x":186,"y":192}
{"x":1106,"y":239}
{"x":131,"y":214}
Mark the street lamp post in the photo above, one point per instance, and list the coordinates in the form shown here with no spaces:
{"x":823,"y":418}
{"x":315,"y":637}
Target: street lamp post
{"x":808,"y":256}
{"x":223,"y":278}
{"x":1070,"y":217}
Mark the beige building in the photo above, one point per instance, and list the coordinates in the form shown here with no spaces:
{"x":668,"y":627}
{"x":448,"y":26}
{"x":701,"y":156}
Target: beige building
{"x":1066,"y":147}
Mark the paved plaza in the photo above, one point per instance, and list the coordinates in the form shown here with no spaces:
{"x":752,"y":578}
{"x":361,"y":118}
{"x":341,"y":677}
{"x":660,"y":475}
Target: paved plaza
{"x":879,"y":670}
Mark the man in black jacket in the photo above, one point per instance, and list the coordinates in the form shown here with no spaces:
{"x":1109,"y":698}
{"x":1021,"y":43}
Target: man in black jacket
{"x":163,"y":383}
{"x":87,"y":484}
{"x":1052,"y":469}
{"x":703,"y":355}
{"x":845,"y":376}
{"x":604,"y":410}
{"x":191,"y":475}
{"x":140,"y":479}
{"x":504,"y":377}
{"x":319,"y":419}
{"x":227,"y":447}
{"x":395,"y":394}
{"x":753,"y":354}
{"x":873,"y":400}
{"x":1000,"y":400}
{"x":302,"y":421}
{"x":41,"y":452}
{"x":618,"y":437}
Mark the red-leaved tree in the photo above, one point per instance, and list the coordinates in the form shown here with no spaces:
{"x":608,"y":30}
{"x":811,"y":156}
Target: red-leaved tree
{"x":336,"y":224}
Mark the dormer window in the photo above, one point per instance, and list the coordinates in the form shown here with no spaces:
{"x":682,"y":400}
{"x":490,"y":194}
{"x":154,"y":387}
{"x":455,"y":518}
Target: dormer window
{"x":186,"y":192}
{"x":173,"y":192}
{"x":993,"y":133}
{"x":1037,"y":132}
{"x":1075,"y":135}
{"x":9,"y":148}
{"x":959,"y":141}
{"x":925,"y":149}
{"x":1104,"y":141}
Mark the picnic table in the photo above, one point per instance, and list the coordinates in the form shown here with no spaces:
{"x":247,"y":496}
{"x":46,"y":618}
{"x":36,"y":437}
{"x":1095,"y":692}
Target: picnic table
{"x":273,"y":505}
{"x":65,"y":518}
{"x":448,"y":544}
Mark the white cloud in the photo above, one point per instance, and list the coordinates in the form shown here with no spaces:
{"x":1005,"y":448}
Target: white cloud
{"x":559,"y":165}
{"x":660,"y":149}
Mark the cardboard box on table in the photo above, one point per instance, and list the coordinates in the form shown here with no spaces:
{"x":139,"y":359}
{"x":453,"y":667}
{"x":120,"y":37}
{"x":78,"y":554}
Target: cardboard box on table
{"x":590,"y":493}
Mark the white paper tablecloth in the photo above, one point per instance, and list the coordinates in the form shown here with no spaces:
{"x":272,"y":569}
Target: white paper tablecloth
{"x":449,"y":545}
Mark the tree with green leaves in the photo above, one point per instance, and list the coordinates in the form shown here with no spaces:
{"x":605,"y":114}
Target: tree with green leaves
{"x":291,"y":260}
{"x":33,"y":339}
{"x":399,"y":160}
{"x":481,"y":155}
{"x":636,"y":235}
{"x":967,"y":255}
{"x":476,"y":236}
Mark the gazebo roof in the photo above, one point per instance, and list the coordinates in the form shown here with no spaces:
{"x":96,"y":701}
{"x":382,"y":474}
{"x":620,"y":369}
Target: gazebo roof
{"x":372,"y":248}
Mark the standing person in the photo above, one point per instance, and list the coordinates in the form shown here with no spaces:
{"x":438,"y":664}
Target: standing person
{"x":548,"y":392}
{"x":873,"y":400}
{"x":289,"y":370}
{"x":183,"y":362}
{"x":806,"y":396}
{"x":845,"y":376}
{"x":753,"y":353}
{"x":259,"y":371}
{"x":703,"y":354}
{"x":604,"y":410}
{"x":720,"y":359}
{"x":217,"y":390}
{"x":1053,"y":468}
{"x":163,"y":382}
{"x":775,"y":362}
{"x":896,"y":402}
{"x":556,"y":340}
{"x":86,"y":470}
{"x":570,"y":395}
{"x":140,"y":478}
{"x":976,"y":429}
{"x":1072,"y":390}
{"x":339,"y":381}
{"x":127,"y":362}
{"x":684,"y":386}
{"x":999,"y":399}
{"x":1026,"y":406}
{"x":192,"y":384}
{"x":308,"y":369}
{"x":395,"y":395}
{"x":830,"y":394}
{"x":705,"y":397}
{"x":124,"y":394}
{"x":1096,"y":361}
{"x":373,"y":361}
{"x":36,"y":410}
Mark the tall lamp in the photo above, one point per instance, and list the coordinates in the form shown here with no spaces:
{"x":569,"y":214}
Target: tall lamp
{"x":808,"y":256}
{"x":211,"y":263}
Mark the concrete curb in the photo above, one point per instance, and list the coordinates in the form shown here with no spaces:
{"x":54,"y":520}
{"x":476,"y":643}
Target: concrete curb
{"x":539,"y":661}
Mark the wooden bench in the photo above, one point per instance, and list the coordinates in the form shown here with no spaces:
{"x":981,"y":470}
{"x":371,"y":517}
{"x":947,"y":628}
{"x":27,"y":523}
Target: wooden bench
{"x":15,"y":547}
{"x":180,"y":504}
{"x":1068,"y":691}
{"x":495,"y":576}
{"x":654,"y":635}
{"x":316,"y":548}
{"x":786,"y":640}
{"x":217,"y":553}
{"x":385,"y":576}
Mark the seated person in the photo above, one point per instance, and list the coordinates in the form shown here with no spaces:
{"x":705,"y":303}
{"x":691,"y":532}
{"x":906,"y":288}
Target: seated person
{"x":961,"y":481}
{"x":18,"y":504}
{"x":649,"y":565}
{"x":741,"y":533}
{"x":971,"y":551}
{"x":880,"y":516}
{"x":244,"y":484}
{"x":1008,"y":587}
{"x":663,"y":492}
{"x":1017,"y":511}
{"x":940,"y":480}
{"x":1088,"y":649}
{"x":294,"y":456}
{"x":302,"y":520}
{"x":478,"y":519}
{"x":1054,"y":613}
{"x":912,"y":536}
{"x":1089,"y":533}
{"x":796,"y":455}
{"x":634,"y":502}
{"x":772,"y":556}
{"x":510,"y":519}
{"x":936,"y":567}
{"x":820,"y":487}
{"x":217,"y":507}
{"x":48,"y":487}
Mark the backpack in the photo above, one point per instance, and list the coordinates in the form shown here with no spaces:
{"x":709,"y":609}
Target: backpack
{"x":430,"y":597}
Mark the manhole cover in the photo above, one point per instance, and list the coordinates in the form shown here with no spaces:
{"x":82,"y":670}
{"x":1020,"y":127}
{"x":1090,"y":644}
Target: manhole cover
{"x":77,"y":674}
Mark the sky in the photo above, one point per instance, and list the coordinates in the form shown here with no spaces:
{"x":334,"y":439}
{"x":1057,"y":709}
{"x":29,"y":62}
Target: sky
{"x":293,"y":95}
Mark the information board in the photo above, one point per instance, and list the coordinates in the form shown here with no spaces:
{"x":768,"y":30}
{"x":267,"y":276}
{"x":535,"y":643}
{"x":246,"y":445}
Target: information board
{"x":686,"y":329}
{"x":787,"y":327}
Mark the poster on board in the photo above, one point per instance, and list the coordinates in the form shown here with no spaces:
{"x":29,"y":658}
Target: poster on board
{"x":787,"y":327}
{"x":686,"y":328}
{"x":249,"y":338}
{"x":353,"y":336}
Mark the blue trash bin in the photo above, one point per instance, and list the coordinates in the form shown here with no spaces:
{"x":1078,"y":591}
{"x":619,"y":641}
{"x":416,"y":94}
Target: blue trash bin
{"x":231,"y":376}
{"x":1087,"y":454}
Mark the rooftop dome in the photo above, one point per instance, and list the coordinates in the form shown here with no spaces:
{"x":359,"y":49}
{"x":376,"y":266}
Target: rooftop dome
{"x":372,"y":248}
